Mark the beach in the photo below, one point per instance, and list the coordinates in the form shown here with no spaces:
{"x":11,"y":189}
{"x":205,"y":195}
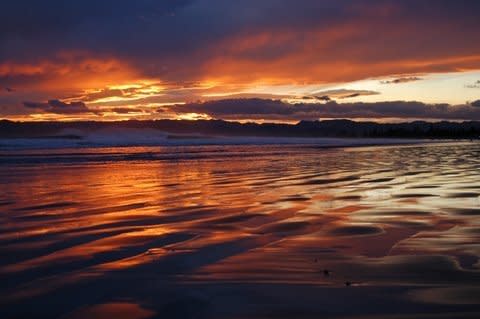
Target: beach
{"x":288,"y":230}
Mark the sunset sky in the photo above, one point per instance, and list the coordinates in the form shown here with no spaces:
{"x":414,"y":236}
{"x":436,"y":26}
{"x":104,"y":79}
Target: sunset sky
{"x":268,"y":60}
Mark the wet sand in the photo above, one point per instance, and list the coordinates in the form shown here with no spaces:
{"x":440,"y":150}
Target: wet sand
{"x":241,"y":232}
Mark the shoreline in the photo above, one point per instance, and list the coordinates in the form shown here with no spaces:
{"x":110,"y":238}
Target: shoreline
{"x":51,"y":143}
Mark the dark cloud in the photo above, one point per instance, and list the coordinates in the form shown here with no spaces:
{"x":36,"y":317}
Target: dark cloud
{"x":181,"y":39}
{"x":275,"y":110}
{"x":125,"y":110}
{"x":402,"y":80}
{"x":59,"y":107}
{"x":475,"y":103}
{"x":60,"y":48}
{"x":325,"y":98}
{"x":342,"y":94}
{"x":351,"y":96}
{"x":475,"y":85}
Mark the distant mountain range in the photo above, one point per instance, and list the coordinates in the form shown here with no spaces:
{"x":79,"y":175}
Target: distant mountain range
{"x":330,"y":128}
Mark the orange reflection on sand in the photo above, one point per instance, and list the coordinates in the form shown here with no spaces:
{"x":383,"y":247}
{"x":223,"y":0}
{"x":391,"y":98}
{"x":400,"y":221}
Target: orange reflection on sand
{"x":241,"y":214}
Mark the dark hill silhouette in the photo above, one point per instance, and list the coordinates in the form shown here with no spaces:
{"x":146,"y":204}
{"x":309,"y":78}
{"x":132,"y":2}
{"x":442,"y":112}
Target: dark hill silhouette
{"x":330,"y":128}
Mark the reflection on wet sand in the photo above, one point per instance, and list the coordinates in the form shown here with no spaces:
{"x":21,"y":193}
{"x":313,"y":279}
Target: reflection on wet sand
{"x":278,"y":231}
{"x":112,"y":310}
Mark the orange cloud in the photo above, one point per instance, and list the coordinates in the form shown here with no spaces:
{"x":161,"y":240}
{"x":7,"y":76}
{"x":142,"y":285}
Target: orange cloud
{"x":67,"y":71}
{"x":311,"y":43}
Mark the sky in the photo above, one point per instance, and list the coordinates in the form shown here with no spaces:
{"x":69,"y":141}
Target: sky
{"x":249,"y":60}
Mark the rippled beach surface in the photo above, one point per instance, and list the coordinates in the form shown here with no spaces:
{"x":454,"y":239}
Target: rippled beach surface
{"x":241,"y":232}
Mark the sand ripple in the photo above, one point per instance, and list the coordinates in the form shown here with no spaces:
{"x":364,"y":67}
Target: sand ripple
{"x":243,"y":231}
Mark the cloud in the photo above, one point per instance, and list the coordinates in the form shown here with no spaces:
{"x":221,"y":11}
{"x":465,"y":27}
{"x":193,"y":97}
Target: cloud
{"x":59,"y":107}
{"x":475,"y":103}
{"x":277,"y":110}
{"x":401,"y":80}
{"x":475,"y":85}
{"x":325,"y":98}
{"x":125,"y":110}
{"x":102,"y":94}
{"x":123,"y":92}
{"x":193,"y":40}
{"x":342,"y":94}
{"x":80,"y":50}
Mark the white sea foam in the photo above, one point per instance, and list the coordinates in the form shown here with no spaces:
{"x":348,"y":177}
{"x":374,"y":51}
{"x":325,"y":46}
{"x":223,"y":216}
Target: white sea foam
{"x":151,"y":137}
